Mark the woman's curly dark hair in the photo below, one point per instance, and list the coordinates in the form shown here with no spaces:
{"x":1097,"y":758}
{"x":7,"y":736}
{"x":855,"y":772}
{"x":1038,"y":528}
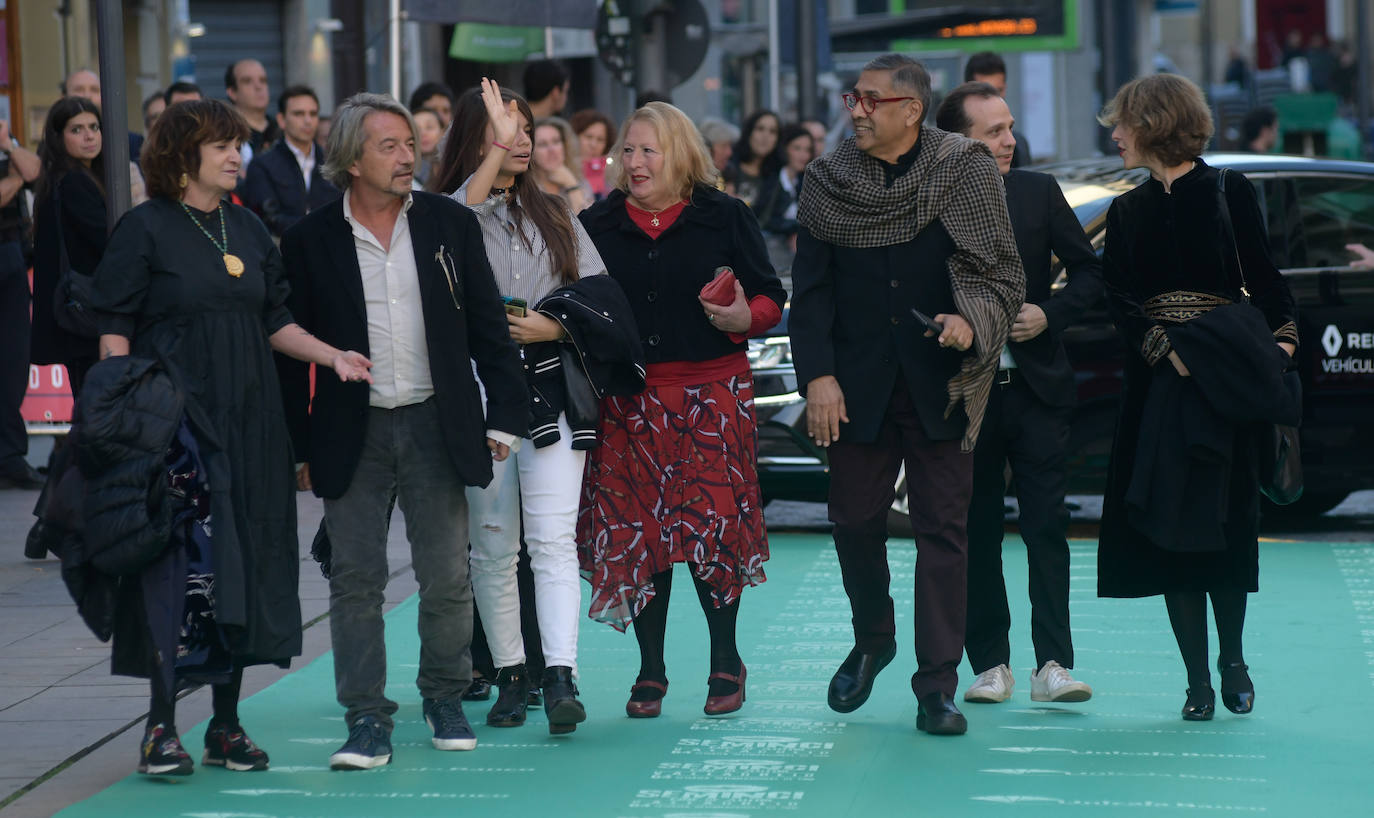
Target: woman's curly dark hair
{"x":173,"y":145}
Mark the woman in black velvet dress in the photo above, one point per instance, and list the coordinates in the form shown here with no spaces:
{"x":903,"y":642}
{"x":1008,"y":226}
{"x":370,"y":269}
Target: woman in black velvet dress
{"x":1167,"y":262}
{"x":198,"y":284}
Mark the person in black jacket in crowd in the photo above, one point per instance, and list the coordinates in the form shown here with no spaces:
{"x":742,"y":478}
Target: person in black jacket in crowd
{"x":69,"y":220}
{"x":198,"y":284}
{"x":403,"y":275}
{"x":675,"y":476}
{"x":1168,"y":265}
{"x":1027,"y":421}
{"x":535,"y":246}
{"x":18,"y":167}
{"x":285,"y":182}
{"x":776,"y":205}
{"x":901,"y":218}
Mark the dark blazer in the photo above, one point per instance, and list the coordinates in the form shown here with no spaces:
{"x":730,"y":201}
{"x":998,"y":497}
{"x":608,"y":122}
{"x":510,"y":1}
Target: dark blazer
{"x":662,"y":277}
{"x":851,"y":318}
{"x":80,"y":204}
{"x":1044,"y":224}
{"x":464,"y":324}
{"x":275,"y":188}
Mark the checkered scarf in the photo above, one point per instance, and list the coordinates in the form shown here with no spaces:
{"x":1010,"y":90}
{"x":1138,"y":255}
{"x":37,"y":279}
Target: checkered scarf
{"x":845,"y":202}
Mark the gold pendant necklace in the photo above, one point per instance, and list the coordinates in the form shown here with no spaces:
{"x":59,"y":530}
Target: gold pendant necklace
{"x":654,"y":213}
{"x":233,"y":265}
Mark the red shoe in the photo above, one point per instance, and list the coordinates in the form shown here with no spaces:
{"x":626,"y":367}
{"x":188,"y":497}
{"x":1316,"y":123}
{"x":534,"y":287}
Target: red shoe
{"x":649,"y":709}
{"x":720,"y":705}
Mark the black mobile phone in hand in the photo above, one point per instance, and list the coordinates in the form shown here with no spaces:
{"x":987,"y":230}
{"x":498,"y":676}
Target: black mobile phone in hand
{"x":514,"y":306}
{"x":930,"y":323}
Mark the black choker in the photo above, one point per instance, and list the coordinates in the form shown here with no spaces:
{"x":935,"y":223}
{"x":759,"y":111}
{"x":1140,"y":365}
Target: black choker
{"x":499,"y":191}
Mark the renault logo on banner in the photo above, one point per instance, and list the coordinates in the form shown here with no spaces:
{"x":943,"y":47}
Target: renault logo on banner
{"x":1331,"y":341}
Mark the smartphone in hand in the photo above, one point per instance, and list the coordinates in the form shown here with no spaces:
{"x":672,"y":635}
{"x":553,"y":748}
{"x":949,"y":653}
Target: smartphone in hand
{"x":930,"y":323}
{"x":514,"y":306}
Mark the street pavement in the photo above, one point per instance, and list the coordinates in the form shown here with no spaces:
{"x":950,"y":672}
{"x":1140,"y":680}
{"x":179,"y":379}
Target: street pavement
{"x":69,"y":729}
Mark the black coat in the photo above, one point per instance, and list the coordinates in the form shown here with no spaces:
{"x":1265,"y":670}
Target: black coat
{"x":851,"y":318}
{"x":1044,"y":223}
{"x":606,"y":354}
{"x":82,"y":214}
{"x":275,"y":188}
{"x":1160,"y":244}
{"x":662,"y":277}
{"x":467,"y":324}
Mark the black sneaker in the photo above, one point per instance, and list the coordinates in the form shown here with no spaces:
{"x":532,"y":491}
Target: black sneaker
{"x":229,"y":747}
{"x":368,"y":746}
{"x":162,"y":754}
{"x":451,"y":729}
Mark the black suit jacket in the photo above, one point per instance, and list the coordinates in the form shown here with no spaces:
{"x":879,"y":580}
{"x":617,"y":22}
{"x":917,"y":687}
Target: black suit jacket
{"x":464,"y":323}
{"x":275,"y":188}
{"x":1044,"y":225}
{"x":851,"y":318}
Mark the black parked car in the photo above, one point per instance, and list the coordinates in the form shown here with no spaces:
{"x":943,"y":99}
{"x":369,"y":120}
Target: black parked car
{"x":1313,"y":209}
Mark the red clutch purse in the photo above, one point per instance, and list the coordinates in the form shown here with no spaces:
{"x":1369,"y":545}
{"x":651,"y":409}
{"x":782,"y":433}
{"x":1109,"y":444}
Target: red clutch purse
{"x":721,"y":290}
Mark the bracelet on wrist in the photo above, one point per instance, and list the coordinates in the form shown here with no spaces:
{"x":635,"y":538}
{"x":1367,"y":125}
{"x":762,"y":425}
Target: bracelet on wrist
{"x":496,"y":144}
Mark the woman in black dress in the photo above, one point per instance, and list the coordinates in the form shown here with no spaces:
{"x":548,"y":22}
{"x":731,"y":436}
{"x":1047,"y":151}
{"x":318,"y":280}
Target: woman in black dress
{"x":198,"y":284}
{"x":1168,"y":263}
{"x":69,"y":215}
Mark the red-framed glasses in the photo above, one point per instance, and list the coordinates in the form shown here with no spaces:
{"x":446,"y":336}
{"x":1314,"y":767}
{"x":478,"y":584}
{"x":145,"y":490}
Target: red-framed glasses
{"x":869,"y":104}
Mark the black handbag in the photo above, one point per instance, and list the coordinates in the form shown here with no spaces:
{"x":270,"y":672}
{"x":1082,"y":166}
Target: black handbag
{"x":1280,"y":452}
{"x":71,"y":298}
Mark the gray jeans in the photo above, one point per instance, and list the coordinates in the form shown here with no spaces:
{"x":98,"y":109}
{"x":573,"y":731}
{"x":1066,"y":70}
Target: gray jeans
{"x":403,"y":458}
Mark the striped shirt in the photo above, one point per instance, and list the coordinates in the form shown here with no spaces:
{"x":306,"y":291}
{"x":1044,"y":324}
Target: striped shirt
{"x":521,"y":272}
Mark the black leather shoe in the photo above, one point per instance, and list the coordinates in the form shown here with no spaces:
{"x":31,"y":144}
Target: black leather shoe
{"x":21,"y":476}
{"x":560,"y":701}
{"x":853,"y":682}
{"x":937,"y":715}
{"x":1201,"y":704}
{"x":1237,"y":691}
{"x":478,"y":691}
{"x":514,"y":690}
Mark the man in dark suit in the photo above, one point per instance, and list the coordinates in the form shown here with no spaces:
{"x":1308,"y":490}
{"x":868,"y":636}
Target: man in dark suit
{"x":404,"y":277}
{"x":900,"y":217}
{"x":286,"y":181}
{"x":1027,"y":422}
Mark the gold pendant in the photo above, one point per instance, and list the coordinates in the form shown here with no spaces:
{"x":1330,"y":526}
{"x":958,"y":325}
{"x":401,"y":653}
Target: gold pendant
{"x":233,"y":264}
{"x":654,"y":221}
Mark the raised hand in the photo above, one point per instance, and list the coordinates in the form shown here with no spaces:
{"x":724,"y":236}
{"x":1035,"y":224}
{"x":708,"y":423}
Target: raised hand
{"x":502,"y":116}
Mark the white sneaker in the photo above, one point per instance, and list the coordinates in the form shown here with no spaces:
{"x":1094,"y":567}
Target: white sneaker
{"x":992,"y":685}
{"x":1053,"y":683}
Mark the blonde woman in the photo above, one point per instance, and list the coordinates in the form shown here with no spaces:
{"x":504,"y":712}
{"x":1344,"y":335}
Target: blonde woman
{"x":557,"y":164}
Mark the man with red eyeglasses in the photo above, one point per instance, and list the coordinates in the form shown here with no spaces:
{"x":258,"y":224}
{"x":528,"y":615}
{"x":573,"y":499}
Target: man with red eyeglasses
{"x":898,"y":223}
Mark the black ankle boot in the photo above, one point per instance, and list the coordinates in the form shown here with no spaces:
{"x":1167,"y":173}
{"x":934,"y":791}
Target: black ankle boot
{"x":514,"y":687}
{"x":1237,"y":691}
{"x":565,"y":712}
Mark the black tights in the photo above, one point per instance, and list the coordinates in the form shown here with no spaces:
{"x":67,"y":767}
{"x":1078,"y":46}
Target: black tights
{"x":651,"y":625}
{"x":225,"y":698}
{"x":1188,"y":616}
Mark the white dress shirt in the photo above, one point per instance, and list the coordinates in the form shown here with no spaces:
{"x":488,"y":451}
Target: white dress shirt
{"x":306,"y":160}
{"x":395,"y":317}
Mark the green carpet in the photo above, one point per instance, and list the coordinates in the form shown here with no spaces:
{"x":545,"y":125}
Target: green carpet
{"x":1305,"y":751}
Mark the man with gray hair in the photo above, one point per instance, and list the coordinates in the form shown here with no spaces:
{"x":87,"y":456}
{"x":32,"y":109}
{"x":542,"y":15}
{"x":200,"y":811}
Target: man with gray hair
{"x":404,"y":276}
{"x":906,"y":282}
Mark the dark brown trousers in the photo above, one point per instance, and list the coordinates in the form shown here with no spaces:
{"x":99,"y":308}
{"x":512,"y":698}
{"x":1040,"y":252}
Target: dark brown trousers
{"x":939,"y":482}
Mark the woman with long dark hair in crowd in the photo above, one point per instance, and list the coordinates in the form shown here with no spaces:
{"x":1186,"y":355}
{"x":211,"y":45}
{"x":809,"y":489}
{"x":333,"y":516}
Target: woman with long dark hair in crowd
{"x":69,"y":227}
{"x":538,"y":251}
{"x":674,"y":478}
{"x":1181,"y":511}
{"x":776,"y":205}
{"x":197,"y":284}
{"x":755,"y":156}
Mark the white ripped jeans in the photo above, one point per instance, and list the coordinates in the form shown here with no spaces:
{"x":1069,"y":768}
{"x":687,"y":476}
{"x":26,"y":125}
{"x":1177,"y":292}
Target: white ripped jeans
{"x":544,"y":486}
